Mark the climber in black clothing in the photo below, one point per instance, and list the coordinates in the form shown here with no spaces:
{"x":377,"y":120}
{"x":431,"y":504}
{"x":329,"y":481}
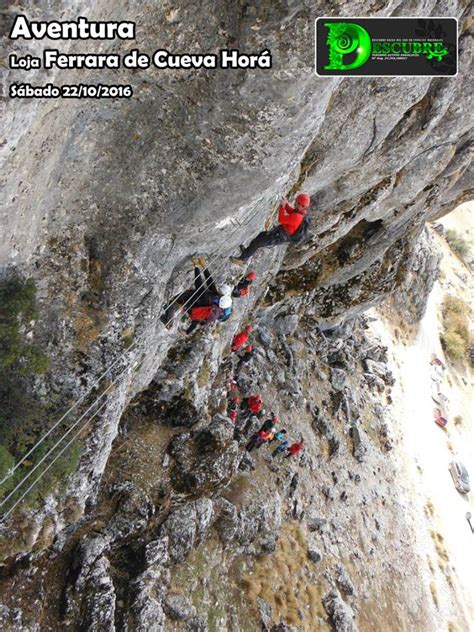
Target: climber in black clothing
{"x":204,"y":303}
{"x":245,"y":358}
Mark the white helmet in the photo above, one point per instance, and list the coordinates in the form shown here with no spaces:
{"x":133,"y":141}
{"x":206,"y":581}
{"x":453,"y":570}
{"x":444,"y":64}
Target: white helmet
{"x":226,"y":290}
{"x":225,"y":302}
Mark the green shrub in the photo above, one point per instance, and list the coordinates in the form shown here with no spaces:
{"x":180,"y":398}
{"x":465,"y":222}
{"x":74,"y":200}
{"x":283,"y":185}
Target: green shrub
{"x":6,"y":461}
{"x":17,"y":310}
{"x":23,"y":417}
{"x":127,"y":341}
{"x":458,"y":244}
{"x":53,"y":480}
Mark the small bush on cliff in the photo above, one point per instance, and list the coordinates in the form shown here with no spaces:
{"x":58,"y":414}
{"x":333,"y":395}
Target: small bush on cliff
{"x":17,"y":310}
{"x":455,"y":338}
{"x":458,"y":244}
{"x":23,"y":418}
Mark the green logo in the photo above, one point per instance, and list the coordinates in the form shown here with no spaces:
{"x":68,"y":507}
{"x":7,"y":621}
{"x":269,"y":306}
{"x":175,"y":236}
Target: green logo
{"x":346,"y":38}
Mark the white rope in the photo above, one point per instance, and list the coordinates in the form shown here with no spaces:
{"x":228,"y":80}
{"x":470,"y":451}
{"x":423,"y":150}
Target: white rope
{"x":13,"y":491}
{"x":10,"y":511}
{"x":12,"y":470}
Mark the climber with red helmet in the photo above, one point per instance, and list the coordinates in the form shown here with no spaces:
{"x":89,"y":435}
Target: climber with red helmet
{"x":251,"y":409}
{"x":253,"y":404}
{"x":243,"y":286}
{"x":294,"y":449}
{"x":241,"y":339}
{"x":203,"y":304}
{"x":293,"y":227}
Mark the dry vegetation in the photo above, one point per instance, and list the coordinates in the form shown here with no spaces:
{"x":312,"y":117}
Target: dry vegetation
{"x":284,"y":581}
{"x":434,"y":594}
{"x":455,"y":337}
{"x":458,"y":420}
{"x":458,"y":244}
{"x":429,"y":509}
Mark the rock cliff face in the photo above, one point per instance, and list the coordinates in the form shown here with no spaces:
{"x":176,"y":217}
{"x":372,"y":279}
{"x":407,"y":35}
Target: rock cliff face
{"x":106,"y":203}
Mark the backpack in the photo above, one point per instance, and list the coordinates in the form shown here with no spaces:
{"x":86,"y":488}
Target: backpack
{"x":302,"y":234}
{"x":201,"y":313}
{"x":239,"y":291}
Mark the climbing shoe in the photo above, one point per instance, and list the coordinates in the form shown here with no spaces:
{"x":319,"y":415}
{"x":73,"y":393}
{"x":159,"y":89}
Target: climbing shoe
{"x":199,"y":261}
{"x":238,"y":261}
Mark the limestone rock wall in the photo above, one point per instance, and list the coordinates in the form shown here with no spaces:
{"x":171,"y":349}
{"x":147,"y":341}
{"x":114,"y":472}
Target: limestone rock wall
{"x":107,"y":200}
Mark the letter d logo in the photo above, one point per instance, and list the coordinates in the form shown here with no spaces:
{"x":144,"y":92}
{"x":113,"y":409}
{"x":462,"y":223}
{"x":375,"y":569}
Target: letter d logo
{"x":345,"y":38}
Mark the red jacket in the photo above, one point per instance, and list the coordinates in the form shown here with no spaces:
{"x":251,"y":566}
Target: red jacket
{"x":211,"y":313}
{"x":289,"y":218}
{"x":239,"y":341}
{"x":254,"y":404}
{"x":295,"y":448}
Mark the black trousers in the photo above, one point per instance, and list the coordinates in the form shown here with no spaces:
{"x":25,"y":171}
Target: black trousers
{"x":204,"y":290}
{"x":272,"y":237}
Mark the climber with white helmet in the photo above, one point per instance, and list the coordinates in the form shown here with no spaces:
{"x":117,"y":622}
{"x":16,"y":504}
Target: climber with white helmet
{"x":293,"y":227}
{"x":204,"y":304}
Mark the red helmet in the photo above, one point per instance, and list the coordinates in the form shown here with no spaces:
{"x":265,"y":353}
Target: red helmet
{"x":303,"y":199}
{"x":275,"y":419}
{"x":249,"y":328}
{"x":248,"y":348}
{"x":251,"y":276}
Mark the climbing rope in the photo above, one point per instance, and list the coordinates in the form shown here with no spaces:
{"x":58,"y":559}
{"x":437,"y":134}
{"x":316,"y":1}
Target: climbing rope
{"x":13,"y":469}
{"x":69,"y":443}
{"x":196,"y":294}
{"x":21,"y":483}
{"x":272,"y":214}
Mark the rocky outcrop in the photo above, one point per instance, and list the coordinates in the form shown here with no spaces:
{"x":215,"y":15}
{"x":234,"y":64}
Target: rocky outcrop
{"x":421,"y":272}
{"x":92,"y":595}
{"x":185,"y":526}
{"x":342,"y":616}
{"x":205,"y":458}
{"x":166,"y":556}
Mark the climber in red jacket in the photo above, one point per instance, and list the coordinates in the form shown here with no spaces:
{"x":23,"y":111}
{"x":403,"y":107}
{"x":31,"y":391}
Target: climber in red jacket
{"x":293,"y":227}
{"x":240,"y":340}
{"x":203,"y":304}
{"x":243,"y":286}
{"x":254,"y":404}
{"x":258,"y":439}
{"x":233,"y":408}
{"x":294,"y":449}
